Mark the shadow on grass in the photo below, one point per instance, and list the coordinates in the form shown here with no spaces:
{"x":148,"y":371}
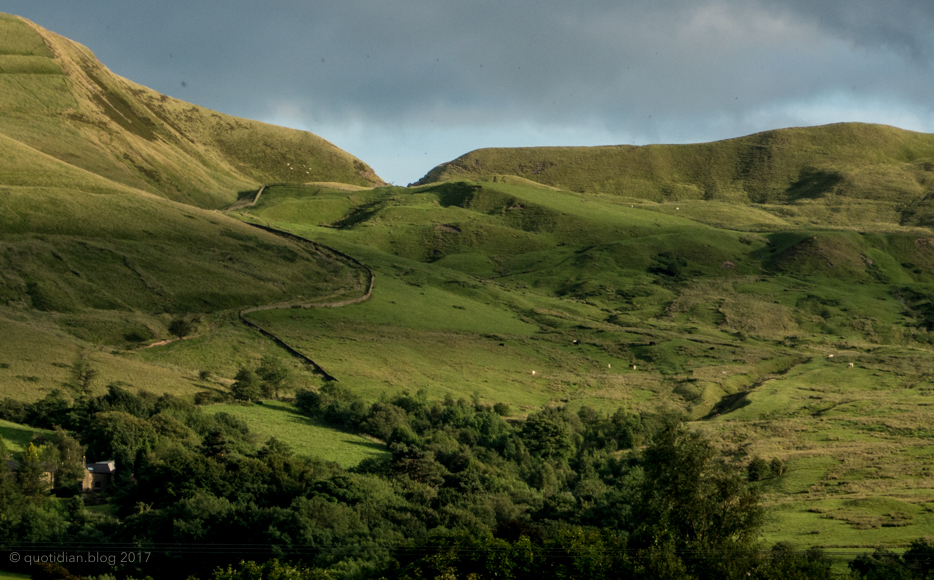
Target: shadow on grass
{"x":298,"y":417}
{"x":20,"y":436}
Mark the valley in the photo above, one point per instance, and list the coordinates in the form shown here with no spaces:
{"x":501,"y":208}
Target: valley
{"x":770,"y":296}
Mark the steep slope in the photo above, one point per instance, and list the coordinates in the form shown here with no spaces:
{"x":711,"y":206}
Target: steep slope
{"x":108,"y":226}
{"x":873,"y":163}
{"x":58,"y":99}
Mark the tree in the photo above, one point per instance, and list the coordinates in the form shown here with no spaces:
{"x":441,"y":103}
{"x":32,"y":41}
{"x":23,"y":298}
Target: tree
{"x":215,"y":444}
{"x":271,"y":569}
{"x":777,"y":466}
{"x":275,"y":447}
{"x":786,"y":563}
{"x":31,"y":475}
{"x":550,"y":434}
{"x":180,"y":328}
{"x":920,"y":559}
{"x":691,"y":502}
{"x":7,"y":486}
{"x":68,"y":458}
{"x":81,"y":376}
{"x":246,"y":385}
{"x":275,"y":375}
{"x":880,"y":565}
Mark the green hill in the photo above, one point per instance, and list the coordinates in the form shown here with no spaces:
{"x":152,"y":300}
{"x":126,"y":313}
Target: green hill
{"x":108,"y":221}
{"x":651,"y":306}
{"x":775,"y":291}
{"x":810,"y":172}
{"x":58,"y":101}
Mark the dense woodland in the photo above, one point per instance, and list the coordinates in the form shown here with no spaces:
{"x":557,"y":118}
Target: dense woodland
{"x":462,"y":494}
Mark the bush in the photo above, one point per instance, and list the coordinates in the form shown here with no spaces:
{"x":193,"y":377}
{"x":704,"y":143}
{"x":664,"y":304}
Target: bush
{"x":777,"y":467}
{"x":180,"y":327}
{"x":758,"y":469}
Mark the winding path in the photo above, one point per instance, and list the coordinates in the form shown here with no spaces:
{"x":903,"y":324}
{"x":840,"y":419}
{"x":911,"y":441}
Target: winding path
{"x":321,"y":248}
{"x":294,"y":304}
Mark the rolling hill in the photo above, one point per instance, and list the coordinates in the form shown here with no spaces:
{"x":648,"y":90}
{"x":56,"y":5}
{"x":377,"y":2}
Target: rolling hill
{"x":109,"y":229}
{"x":804,"y":341}
{"x":815,"y":175}
{"x":775,"y":290}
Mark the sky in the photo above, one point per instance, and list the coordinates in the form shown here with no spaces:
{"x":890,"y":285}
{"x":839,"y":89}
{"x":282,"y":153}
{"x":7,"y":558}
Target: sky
{"x":407,"y":84}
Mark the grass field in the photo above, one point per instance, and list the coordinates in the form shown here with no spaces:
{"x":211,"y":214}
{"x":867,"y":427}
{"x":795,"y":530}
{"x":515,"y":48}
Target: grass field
{"x":306,"y":436}
{"x":735,"y":327}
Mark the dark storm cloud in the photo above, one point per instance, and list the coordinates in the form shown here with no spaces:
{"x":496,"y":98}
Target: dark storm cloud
{"x":641,"y":71}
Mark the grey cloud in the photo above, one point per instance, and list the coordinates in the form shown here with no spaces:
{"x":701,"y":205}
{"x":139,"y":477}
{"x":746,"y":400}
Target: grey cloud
{"x":672,"y":70}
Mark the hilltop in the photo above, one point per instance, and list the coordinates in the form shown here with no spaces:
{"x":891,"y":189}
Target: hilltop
{"x":887,"y":172}
{"x":61,"y":109}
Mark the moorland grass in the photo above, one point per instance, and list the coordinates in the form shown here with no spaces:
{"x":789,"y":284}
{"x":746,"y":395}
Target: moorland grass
{"x":742,"y":350}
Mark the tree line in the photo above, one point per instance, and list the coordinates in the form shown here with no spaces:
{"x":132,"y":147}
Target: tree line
{"x":460,"y":493}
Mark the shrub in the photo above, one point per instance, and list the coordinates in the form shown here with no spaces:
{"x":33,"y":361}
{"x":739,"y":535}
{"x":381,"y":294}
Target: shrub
{"x":758,"y":469}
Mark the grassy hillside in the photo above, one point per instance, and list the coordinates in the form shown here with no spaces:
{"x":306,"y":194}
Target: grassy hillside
{"x":107,"y":226}
{"x":57,"y":99}
{"x":750,"y":334}
{"x":808,"y":174}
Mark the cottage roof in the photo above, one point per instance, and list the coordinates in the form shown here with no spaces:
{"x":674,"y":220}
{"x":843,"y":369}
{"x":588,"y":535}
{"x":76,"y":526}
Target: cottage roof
{"x":108,"y":466}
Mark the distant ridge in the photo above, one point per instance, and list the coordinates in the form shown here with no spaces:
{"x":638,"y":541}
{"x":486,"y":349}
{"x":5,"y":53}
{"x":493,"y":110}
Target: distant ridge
{"x":57,"y":99}
{"x":854,"y":160}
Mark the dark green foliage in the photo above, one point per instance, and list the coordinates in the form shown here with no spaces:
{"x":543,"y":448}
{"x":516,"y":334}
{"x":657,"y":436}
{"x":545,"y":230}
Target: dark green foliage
{"x":463,"y":494}
{"x":275,"y":376}
{"x":777,"y":467}
{"x":692,"y":500}
{"x":246,"y":385}
{"x":215,"y":444}
{"x":68,"y":458}
{"x":880,"y":565}
{"x":13,"y":410}
{"x":668,"y":264}
{"x":919,"y":558}
{"x":551,"y":433}
{"x":786,"y":563}
{"x":270,"y":570}
{"x":917,"y":563}
{"x":180,"y":327}
{"x":30,"y":476}
{"x":51,"y":410}
{"x":758,"y":469}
